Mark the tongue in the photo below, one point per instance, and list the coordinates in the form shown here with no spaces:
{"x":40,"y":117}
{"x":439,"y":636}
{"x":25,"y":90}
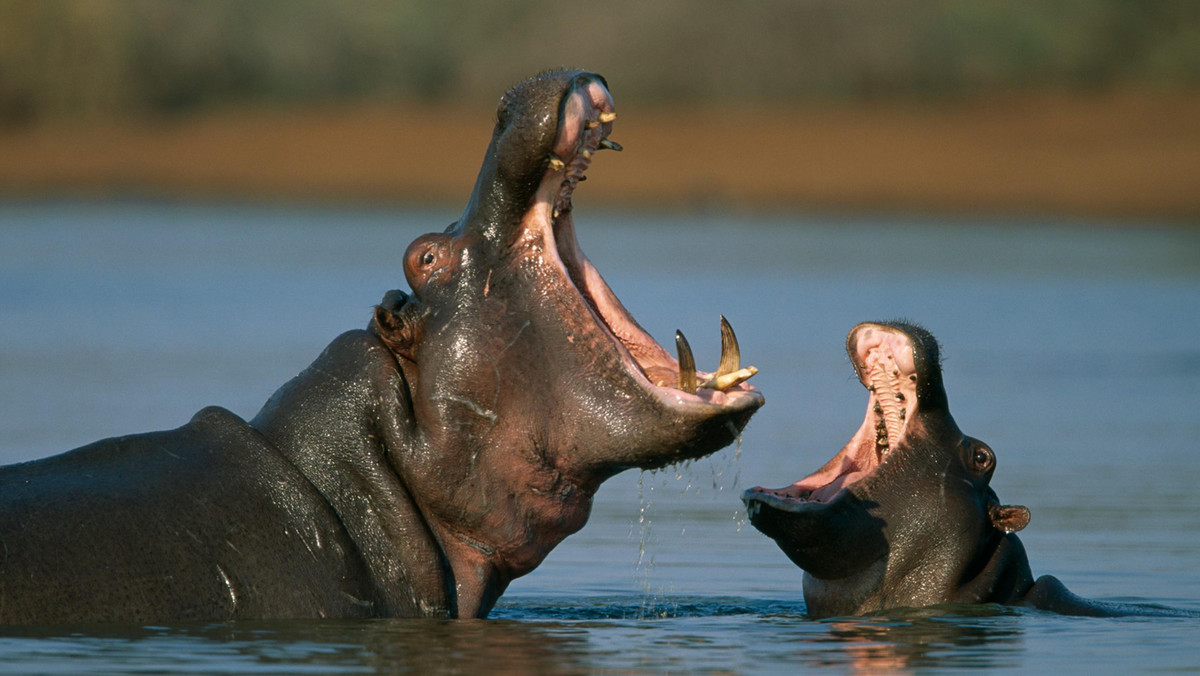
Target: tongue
{"x":828,"y":491}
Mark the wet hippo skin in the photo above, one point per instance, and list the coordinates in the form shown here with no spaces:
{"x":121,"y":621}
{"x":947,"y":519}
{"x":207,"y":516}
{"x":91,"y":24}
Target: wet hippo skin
{"x":416,"y":467}
{"x":903,"y":516}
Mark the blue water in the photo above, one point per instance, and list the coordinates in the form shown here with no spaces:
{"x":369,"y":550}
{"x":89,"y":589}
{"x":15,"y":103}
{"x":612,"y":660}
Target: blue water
{"x":1070,"y":347}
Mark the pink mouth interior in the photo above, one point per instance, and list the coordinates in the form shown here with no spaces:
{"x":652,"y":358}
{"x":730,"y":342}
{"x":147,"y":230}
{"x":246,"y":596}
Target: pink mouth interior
{"x":580,"y":134}
{"x":883,"y":360}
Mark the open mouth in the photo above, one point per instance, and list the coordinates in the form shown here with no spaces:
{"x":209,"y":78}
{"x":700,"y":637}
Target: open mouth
{"x":585,"y":121}
{"x":883,"y":360}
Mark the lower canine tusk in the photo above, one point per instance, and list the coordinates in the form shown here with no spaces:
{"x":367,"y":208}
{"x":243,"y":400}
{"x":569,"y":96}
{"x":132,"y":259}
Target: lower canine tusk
{"x":731,"y":354}
{"x":687,"y":364}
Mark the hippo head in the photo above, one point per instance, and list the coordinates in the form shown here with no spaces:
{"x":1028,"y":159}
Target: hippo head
{"x":527,"y":382}
{"x":903,"y":515}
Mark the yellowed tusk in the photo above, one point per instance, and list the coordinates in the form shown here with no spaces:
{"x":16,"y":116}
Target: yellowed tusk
{"x":724,"y":382}
{"x":687,"y":364}
{"x":731,"y":354}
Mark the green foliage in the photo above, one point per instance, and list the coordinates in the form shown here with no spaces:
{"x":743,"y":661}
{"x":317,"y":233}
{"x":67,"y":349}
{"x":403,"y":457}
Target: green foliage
{"x":112,"y":57}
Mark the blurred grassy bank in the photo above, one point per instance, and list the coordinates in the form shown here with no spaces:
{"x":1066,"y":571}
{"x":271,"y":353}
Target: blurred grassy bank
{"x":1126,"y":154}
{"x":1073,"y":106}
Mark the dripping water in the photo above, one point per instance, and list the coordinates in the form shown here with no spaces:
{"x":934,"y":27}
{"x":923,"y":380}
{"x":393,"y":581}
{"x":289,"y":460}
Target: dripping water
{"x":652,"y":604}
{"x":719,"y":465}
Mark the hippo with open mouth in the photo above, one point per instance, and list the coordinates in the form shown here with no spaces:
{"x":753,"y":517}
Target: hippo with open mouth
{"x":415,"y":468}
{"x":903,"y":516}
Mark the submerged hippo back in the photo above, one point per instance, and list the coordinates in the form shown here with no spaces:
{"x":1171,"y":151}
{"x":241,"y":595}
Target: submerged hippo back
{"x":203,"y":522}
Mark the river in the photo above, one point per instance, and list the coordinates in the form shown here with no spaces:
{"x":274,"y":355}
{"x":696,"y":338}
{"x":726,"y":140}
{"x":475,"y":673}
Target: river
{"x":1071,"y":347}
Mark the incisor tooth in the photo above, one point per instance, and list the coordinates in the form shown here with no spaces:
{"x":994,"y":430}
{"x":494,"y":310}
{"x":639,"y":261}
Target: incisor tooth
{"x":890,"y":410}
{"x":728,"y":380}
{"x":607,"y":117}
{"x":557,"y":164}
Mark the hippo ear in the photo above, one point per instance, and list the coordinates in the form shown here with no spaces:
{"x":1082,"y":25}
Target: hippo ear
{"x":1009,"y":518}
{"x":393,"y":325}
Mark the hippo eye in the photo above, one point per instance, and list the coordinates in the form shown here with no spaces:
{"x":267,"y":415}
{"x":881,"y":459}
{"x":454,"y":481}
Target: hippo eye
{"x":427,"y":258}
{"x":982,"y":458}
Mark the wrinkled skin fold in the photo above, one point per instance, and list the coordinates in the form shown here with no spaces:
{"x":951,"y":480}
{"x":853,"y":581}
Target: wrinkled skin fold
{"x":903,"y":516}
{"x":416,"y":467}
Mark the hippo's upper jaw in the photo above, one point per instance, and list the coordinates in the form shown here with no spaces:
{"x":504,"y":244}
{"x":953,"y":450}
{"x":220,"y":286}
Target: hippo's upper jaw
{"x":887,"y":364}
{"x":530,"y":383}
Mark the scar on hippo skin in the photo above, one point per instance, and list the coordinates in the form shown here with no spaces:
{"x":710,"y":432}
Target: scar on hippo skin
{"x":903,"y":516}
{"x":415,"y":468}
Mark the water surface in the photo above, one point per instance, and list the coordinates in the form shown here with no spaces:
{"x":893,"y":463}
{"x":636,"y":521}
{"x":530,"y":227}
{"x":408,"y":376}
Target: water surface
{"x":1070,"y":347}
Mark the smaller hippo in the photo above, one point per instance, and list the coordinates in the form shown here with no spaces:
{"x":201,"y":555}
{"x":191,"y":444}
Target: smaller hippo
{"x":903,"y":515}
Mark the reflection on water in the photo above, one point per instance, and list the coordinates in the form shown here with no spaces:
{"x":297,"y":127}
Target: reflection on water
{"x":567,"y":636}
{"x":1070,"y":348}
{"x":959,"y":638}
{"x":424,"y":646}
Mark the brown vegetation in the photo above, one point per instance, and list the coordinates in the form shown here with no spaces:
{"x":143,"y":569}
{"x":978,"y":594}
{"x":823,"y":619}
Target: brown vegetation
{"x":1127,"y":154}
